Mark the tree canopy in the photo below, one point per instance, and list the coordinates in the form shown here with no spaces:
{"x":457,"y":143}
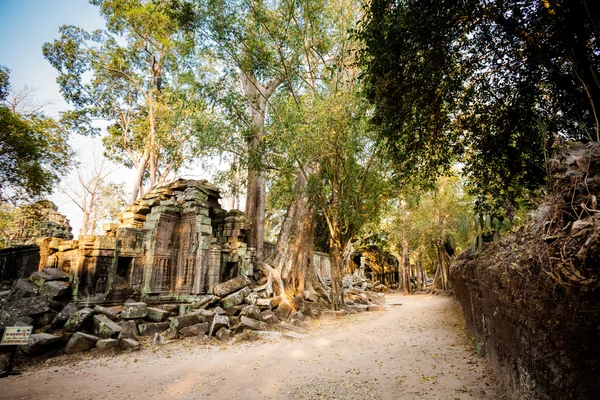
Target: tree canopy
{"x":488,"y":84}
{"x":34,"y":152}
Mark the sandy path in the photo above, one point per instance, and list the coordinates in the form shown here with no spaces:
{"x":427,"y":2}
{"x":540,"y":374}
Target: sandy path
{"x":412,"y":351}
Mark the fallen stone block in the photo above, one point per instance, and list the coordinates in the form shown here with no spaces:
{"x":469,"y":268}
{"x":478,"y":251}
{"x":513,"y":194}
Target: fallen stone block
{"x":263,"y":304}
{"x":252,"y":298}
{"x":283,"y":311}
{"x":107,"y":345}
{"x":55,"y":289}
{"x":40,"y":343}
{"x":235,"y":310}
{"x":232,"y":285}
{"x":249,"y":323}
{"x":235,"y":298}
{"x":252,"y":311}
{"x":195,"y":330}
{"x":181,"y":321}
{"x":375,"y":307}
{"x":269,"y":317}
{"x":129,"y":344}
{"x":150,"y":328}
{"x":80,"y":342}
{"x":56,"y":274}
{"x":219,"y":321}
{"x":224,"y":334}
{"x":104,"y":328}
{"x":25,"y":307}
{"x":206,"y":300}
{"x":22,"y":289}
{"x":109,"y":312}
{"x":39,"y":277}
{"x":134,"y":310}
{"x":129,"y":326}
{"x":157,"y":315}
{"x":219,"y":311}
{"x":78,"y":319}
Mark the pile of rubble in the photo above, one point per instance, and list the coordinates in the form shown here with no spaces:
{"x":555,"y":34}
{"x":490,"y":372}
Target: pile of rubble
{"x":363,"y":284}
{"x":43,"y":302}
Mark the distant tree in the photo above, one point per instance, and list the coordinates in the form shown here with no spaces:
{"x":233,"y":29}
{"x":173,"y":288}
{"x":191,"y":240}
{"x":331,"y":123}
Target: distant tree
{"x":97,"y":198}
{"x":34,"y":152}
{"x":489,"y":84}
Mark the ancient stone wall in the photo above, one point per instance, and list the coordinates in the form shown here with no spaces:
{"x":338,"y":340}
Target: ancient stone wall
{"x":174,"y":242}
{"x":40,"y":219}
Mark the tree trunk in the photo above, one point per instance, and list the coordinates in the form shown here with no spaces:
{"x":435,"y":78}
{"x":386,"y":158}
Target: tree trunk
{"x":257,"y":96}
{"x":406,"y":267}
{"x":335,"y":260}
{"x":291,"y":265}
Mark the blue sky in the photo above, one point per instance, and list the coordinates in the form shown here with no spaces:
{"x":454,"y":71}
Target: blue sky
{"x":25,"y":25}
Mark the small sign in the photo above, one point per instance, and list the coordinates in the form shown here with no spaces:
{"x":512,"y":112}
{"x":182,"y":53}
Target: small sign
{"x":16,"y":335}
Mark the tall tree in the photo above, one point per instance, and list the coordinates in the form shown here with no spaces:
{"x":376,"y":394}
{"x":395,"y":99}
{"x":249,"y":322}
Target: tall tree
{"x":262,"y":44}
{"x":141,"y":84}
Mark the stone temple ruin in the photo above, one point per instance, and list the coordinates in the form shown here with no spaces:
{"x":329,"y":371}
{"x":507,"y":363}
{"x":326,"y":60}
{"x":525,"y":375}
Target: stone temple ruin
{"x":176,"y":265}
{"x":174,"y":243}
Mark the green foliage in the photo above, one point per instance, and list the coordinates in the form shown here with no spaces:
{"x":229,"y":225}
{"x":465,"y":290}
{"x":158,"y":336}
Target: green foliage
{"x":143,"y":83}
{"x":432,"y":219}
{"x":34,"y":152}
{"x":488,"y":84}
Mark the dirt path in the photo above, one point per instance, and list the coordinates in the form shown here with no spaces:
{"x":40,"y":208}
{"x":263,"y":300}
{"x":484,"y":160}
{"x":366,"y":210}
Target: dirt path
{"x":412,"y":351}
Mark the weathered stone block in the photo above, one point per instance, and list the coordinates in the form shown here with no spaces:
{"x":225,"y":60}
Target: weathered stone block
{"x":157,"y":315}
{"x":252,"y":298}
{"x":55,"y":289}
{"x":109,"y":312}
{"x":129,"y":326}
{"x":39,"y":277}
{"x":134,"y":310}
{"x":249,"y":323}
{"x":235,"y":298}
{"x":104,"y":328}
{"x":252,"y":312}
{"x":107,"y":345}
{"x":77,"y":319}
{"x":224,"y":334}
{"x":40,"y":343}
{"x":25,"y":307}
{"x":283,"y":311}
{"x":80,"y":342}
{"x":129,"y":344}
{"x":150,"y":328}
{"x":182,"y":321}
{"x":22,"y":289}
{"x":375,"y":307}
{"x":232,"y":285}
{"x":56,"y":274}
{"x":269,"y":317}
{"x":194,"y":330}
{"x":219,"y":321}
{"x":263,"y":304}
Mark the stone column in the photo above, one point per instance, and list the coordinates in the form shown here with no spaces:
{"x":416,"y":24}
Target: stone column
{"x":214,"y":267}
